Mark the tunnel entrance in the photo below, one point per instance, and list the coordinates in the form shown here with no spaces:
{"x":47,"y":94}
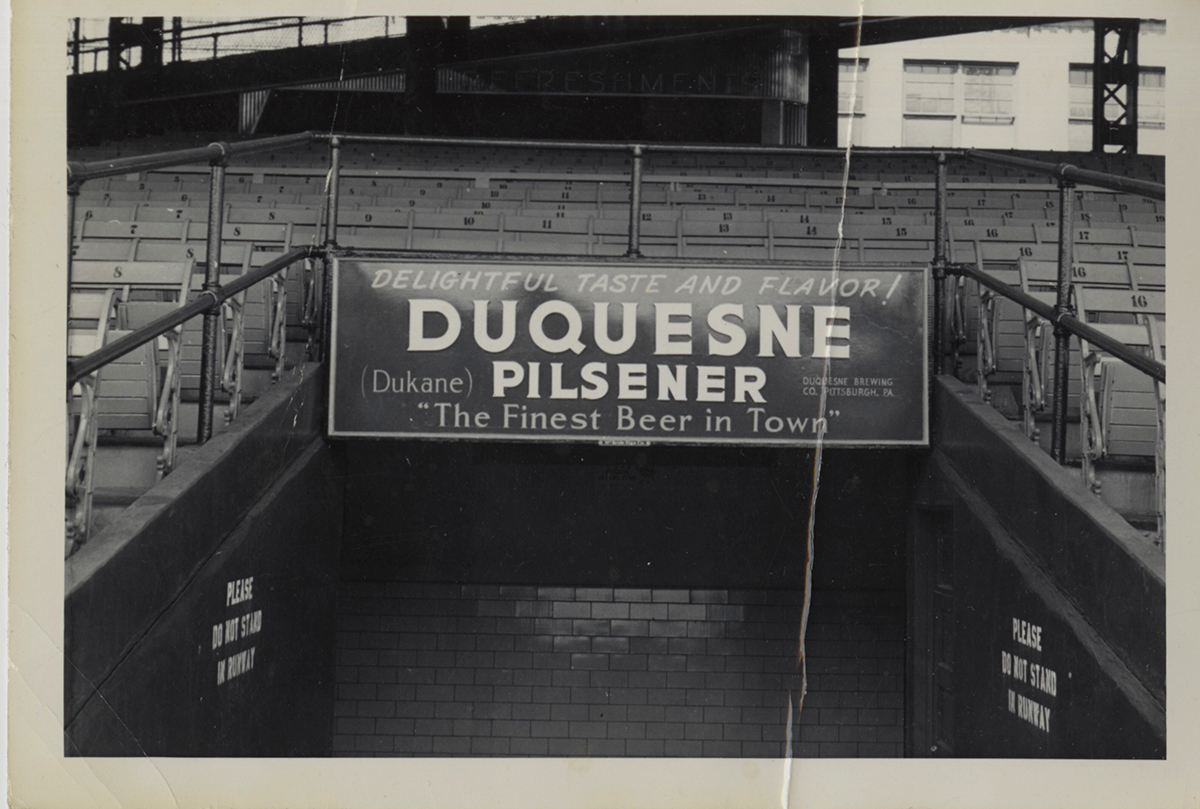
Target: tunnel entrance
{"x":583,"y":600}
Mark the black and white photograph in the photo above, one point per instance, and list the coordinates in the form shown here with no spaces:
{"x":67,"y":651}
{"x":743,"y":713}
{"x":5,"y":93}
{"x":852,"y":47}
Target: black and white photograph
{"x":628,"y":406}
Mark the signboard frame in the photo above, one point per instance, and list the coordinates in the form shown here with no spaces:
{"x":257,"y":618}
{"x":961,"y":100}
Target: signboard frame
{"x":607,"y":439}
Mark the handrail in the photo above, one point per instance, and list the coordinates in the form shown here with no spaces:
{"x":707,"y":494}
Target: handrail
{"x":78,"y":172}
{"x":1068,"y":322}
{"x":1066,"y":171}
{"x":624,"y":146}
{"x":206,"y":300}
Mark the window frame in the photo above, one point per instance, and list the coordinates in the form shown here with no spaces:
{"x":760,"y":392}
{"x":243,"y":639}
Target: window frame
{"x":1159,"y":92}
{"x":958,"y":116}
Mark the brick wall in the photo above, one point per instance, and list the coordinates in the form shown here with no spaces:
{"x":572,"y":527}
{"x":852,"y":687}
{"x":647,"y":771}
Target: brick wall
{"x":481,"y":670}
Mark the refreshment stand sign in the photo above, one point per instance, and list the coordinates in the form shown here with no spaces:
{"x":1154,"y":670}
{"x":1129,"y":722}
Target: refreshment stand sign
{"x":623,"y":352}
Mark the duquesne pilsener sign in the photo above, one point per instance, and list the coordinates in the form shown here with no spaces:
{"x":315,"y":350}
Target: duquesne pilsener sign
{"x":627,"y":352}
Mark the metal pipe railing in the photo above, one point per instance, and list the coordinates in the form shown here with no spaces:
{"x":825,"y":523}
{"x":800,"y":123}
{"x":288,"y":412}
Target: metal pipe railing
{"x":82,"y":172}
{"x":617,"y":146}
{"x":1065,"y":171}
{"x":939,"y":268}
{"x":635,"y":205}
{"x":212,"y":284}
{"x":1069,"y":322}
{"x":207,"y":299}
{"x":1062,"y":306}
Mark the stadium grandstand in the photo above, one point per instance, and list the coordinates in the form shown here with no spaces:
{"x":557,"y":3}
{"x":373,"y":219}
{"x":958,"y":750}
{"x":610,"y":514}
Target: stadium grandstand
{"x":566,"y":387}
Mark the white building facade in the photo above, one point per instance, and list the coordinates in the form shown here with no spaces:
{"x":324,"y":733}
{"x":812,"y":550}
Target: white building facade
{"x":1025,"y":88}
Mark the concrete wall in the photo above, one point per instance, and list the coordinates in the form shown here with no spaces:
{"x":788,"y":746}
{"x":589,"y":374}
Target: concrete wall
{"x":1027,"y":573}
{"x":243,"y":533}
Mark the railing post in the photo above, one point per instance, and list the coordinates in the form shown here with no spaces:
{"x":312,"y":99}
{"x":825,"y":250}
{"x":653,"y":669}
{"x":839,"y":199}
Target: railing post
{"x":939,"y":269}
{"x":75,"y":46}
{"x":1062,"y":305}
{"x":331,"y":223}
{"x":331,"y":192}
{"x":635,"y":206}
{"x":72,"y":198}
{"x":212,"y":283}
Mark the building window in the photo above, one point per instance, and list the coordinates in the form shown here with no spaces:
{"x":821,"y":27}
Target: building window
{"x":852,"y":79}
{"x":1152,"y":97}
{"x":947,"y":103}
{"x":1152,"y":104}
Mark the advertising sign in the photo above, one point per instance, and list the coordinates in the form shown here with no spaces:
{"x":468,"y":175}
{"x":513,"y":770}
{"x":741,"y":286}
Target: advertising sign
{"x":623,"y":352}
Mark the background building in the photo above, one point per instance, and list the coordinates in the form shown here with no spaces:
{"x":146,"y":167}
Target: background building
{"x":1021,"y":88}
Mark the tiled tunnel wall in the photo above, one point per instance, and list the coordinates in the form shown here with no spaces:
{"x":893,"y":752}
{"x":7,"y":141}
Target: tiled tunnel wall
{"x":483,"y":670}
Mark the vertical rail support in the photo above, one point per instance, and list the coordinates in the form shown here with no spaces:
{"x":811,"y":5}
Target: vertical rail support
{"x":212,"y":283}
{"x":1062,"y":306}
{"x":331,"y":224}
{"x":75,"y":46}
{"x":72,"y":198}
{"x":635,"y":205}
{"x":939,"y":270}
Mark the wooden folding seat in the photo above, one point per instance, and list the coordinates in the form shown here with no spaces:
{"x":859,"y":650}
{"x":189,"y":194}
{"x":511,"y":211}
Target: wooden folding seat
{"x":828,"y":199}
{"x":968,"y":252}
{"x":398,"y":184}
{"x":802,"y":217}
{"x":716,"y":250}
{"x":662,"y":232}
{"x":491,"y":206}
{"x":454,"y":225}
{"x":798,"y":234}
{"x":566,"y":193}
{"x":1147,"y":236}
{"x":723,"y":215}
{"x":545,"y":247}
{"x":737,"y":172}
{"x":407,"y":197}
{"x":144,"y":291}
{"x":547,"y":228}
{"x":460,"y":242}
{"x":118,"y":213}
{"x":819,"y":254}
{"x":89,"y":316}
{"x":1000,"y":330}
{"x":891,"y":232}
{"x":518,"y":194}
{"x":651,"y":195}
{"x":1158,"y":349}
{"x":769,"y":196}
{"x":1120,"y":405}
{"x":267,"y":200}
{"x":254,"y":215}
{"x":1034,"y":232}
{"x":725,"y":233}
{"x":1096,"y":253}
{"x":188,"y":197}
{"x":910,"y":200}
{"x":121,"y":396}
{"x":230,"y":348}
{"x":1031,"y":202}
{"x":105,"y":249}
{"x":115,"y":229}
{"x":794,"y":174}
{"x":1143,"y":219}
{"x":161,"y":213}
{"x":1018,"y":216}
{"x":277,"y":236}
{"x":121,"y":184}
{"x":700,"y":197}
{"x":92,"y":196}
{"x":1044,"y":274}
